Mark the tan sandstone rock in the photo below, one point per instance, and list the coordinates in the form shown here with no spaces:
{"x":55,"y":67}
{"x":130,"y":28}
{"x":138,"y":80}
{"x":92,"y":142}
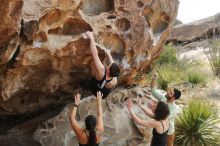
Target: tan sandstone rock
{"x":197,"y":30}
{"x":52,"y":57}
{"x":43,"y":57}
{"x":119,"y":128}
{"x":10,"y":13}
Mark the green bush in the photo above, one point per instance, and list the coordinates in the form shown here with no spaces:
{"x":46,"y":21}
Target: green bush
{"x":196,"y":125}
{"x":173,"y":73}
{"x":170,"y":67}
{"x":196,"y":77}
{"x":168,"y":56}
{"x":163,"y":84}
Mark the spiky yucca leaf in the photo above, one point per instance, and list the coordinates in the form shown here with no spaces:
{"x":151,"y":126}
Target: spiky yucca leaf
{"x":196,"y":124}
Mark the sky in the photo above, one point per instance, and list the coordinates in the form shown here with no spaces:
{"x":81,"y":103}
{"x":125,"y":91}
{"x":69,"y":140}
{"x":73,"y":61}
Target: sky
{"x":191,"y":10}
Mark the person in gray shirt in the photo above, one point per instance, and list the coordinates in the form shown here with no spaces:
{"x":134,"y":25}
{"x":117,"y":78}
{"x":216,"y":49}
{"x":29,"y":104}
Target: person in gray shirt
{"x":171,"y":95}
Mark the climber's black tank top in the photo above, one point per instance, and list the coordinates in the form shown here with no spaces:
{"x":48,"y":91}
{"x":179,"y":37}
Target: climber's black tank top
{"x":96,"y":85}
{"x":159,"y":139}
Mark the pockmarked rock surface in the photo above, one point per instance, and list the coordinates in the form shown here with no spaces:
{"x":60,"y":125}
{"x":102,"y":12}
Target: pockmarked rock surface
{"x":43,"y":56}
{"x":10,"y":26}
{"x":119,"y":129}
{"x":43,"y":53}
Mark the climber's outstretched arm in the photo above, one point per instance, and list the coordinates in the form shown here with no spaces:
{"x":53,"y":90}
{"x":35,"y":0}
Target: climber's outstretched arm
{"x":98,"y":64}
{"x":108,"y":52}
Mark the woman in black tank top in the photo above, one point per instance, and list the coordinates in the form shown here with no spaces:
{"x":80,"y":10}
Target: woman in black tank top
{"x":159,"y":121}
{"x":159,"y":139}
{"x":91,"y":136}
{"x":96,"y":85}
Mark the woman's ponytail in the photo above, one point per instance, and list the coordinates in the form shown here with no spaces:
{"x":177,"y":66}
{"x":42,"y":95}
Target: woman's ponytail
{"x":90,"y":126}
{"x":92,"y":137}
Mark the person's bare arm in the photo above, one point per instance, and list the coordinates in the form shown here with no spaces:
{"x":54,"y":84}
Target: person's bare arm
{"x":112,"y":84}
{"x":153,"y":81}
{"x":145,"y":110}
{"x":148,"y":124}
{"x":98,"y":64}
{"x":100,"y":126}
{"x":155,"y":92}
{"x":108,"y":52}
{"x":73,"y":121}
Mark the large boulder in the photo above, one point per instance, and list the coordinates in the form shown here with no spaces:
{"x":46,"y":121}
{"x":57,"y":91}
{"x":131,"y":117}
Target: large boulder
{"x":11,"y":14}
{"x":43,"y":54}
{"x":197,"y":30}
{"x":119,"y":130}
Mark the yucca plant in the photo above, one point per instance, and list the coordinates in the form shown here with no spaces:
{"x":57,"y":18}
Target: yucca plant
{"x":196,"y":125}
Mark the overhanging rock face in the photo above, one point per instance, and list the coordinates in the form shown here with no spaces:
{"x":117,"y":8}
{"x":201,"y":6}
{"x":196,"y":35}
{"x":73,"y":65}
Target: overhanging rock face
{"x":50,"y":56}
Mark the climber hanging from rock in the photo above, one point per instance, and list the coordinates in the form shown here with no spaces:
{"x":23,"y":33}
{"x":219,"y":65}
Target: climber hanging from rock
{"x":104,"y":79}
